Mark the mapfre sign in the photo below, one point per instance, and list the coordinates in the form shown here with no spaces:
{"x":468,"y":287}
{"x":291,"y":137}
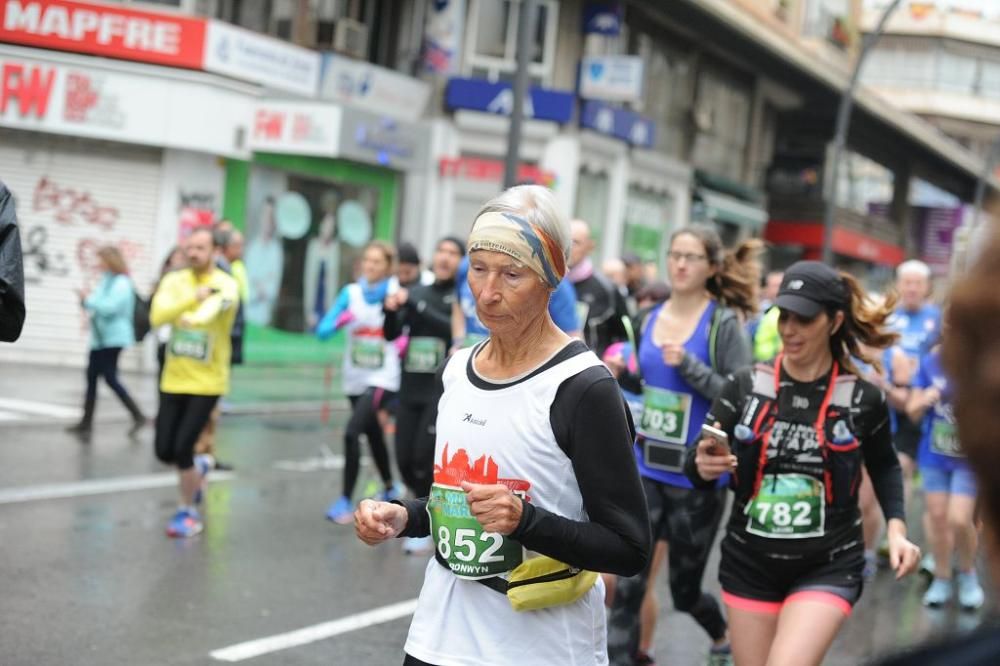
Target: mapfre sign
{"x":104,"y":30}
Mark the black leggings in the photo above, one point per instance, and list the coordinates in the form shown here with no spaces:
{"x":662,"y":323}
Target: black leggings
{"x":179,"y":422}
{"x":104,"y":363}
{"x":688,"y":521}
{"x":415,"y":445}
{"x":364,"y":421}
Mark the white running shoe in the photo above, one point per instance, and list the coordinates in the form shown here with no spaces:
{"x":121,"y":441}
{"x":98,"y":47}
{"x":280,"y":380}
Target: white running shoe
{"x":938,"y":594}
{"x":970,"y":592}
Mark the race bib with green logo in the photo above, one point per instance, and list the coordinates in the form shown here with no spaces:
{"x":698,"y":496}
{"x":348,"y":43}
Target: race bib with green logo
{"x":665,"y":415}
{"x":424,"y":355}
{"x":944,"y":440}
{"x":460,"y":540}
{"x":367,"y":352}
{"x":190,"y":344}
{"x":788,"y":506}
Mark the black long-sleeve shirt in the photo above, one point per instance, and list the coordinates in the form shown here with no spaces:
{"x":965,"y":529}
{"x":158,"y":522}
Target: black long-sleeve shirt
{"x":426,"y":313}
{"x":594,"y":429}
{"x":793,"y":448}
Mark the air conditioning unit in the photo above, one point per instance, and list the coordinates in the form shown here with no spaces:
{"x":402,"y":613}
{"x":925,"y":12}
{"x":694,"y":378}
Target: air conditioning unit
{"x":350,"y":37}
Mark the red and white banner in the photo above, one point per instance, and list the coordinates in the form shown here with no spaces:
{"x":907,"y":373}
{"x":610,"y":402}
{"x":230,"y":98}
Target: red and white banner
{"x":107,"y":104}
{"x":104,"y":30}
{"x":295,"y":127}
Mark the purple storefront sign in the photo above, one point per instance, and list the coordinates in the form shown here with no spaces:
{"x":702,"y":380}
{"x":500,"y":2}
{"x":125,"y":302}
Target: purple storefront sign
{"x":937,"y":233}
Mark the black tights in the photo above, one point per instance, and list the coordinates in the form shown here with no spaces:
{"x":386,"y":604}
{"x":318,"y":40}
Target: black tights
{"x":415,"y":444}
{"x":364,"y":421}
{"x":179,"y":422}
{"x":688,"y":520}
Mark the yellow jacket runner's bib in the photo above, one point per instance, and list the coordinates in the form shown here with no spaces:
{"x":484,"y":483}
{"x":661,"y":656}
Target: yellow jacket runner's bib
{"x":199,"y":349}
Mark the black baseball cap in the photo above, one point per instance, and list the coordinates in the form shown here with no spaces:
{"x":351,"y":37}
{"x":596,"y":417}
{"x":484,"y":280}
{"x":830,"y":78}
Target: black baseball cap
{"x":809,"y":287}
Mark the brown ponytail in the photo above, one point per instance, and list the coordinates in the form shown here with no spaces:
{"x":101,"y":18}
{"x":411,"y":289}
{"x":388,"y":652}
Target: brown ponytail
{"x":865,"y":322}
{"x":735,"y":282}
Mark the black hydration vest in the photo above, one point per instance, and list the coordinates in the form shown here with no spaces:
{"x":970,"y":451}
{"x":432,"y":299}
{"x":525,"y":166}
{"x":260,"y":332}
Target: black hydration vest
{"x":834,"y":427}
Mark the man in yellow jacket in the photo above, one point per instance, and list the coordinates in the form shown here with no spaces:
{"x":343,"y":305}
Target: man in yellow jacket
{"x":199,"y":303}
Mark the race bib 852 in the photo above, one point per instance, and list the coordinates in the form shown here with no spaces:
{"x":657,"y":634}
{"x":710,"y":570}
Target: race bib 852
{"x":460,"y":540}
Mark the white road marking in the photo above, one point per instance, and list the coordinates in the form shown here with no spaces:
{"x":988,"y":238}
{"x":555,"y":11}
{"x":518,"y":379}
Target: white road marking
{"x":40,"y":408}
{"x":315,"y":464}
{"x":52,"y":491}
{"x":317,"y":632}
{"x":326,"y":460}
{"x":12,"y":416}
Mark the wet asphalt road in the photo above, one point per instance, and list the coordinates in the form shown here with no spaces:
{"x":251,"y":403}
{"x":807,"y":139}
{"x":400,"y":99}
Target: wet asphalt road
{"x":92,"y":579}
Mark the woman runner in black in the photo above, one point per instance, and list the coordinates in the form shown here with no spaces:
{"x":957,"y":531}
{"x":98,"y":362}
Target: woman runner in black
{"x":422,"y":313}
{"x":793,"y":554}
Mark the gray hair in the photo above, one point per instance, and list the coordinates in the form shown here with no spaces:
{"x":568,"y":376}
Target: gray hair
{"x":539,"y":207}
{"x":913,"y":267}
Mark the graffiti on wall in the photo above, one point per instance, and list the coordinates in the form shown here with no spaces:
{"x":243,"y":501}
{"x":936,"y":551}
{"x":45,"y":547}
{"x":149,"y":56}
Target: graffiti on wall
{"x":46,"y":247}
{"x":39,"y":258}
{"x":71,"y":206}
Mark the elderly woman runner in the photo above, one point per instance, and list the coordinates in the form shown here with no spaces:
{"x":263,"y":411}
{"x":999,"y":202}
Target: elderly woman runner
{"x":533,"y":457}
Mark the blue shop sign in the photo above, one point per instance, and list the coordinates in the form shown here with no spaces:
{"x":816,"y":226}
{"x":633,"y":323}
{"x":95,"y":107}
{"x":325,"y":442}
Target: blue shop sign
{"x":602,"y":18}
{"x":498,"y":98}
{"x":622,"y":124}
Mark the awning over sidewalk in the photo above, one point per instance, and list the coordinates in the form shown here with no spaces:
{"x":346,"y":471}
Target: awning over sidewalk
{"x":720,"y":207}
{"x":846,"y":242}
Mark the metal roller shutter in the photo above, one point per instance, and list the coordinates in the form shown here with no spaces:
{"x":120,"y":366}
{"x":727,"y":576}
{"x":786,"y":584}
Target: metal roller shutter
{"x":74,"y":195}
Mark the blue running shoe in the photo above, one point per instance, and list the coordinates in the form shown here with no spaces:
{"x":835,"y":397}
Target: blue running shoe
{"x":185,"y":523}
{"x":341,"y":511}
{"x":203,"y":462}
{"x":938,"y":594}
{"x":394,"y":493}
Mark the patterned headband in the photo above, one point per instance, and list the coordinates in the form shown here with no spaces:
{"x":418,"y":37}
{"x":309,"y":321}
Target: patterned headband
{"x":525,"y":242}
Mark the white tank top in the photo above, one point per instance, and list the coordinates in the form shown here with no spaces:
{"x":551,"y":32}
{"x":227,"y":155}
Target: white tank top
{"x":504,"y":435}
{"x":369,"y":359}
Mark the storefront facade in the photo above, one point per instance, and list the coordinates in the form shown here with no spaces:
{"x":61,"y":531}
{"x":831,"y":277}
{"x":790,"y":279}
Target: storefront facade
{"x":104,"y":152}
{"x":323,"y":180}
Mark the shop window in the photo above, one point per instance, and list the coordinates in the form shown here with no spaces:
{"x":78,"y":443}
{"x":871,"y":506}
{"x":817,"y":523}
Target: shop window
{"x":491,"y":42}
{"x":722,"y":119}
{"x":669,"y":75}
{"x":865,"y":186}
{"x":956,"y":73}
{"x":592,"y":205}
{"x":304,"y":241}
{"x":646,"y":225}
{"x":989,"y":79}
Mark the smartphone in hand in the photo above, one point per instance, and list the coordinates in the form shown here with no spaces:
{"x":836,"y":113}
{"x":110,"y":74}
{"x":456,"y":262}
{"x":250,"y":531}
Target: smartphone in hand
{"x":720,"y":447}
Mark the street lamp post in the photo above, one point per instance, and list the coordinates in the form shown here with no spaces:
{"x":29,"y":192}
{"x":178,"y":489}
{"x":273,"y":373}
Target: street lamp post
{"x":525,"y":29}
{"x":842,"y":127}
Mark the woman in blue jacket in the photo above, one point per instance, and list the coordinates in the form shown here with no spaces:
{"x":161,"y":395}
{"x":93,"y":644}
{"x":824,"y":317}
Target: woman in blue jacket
{"x":110,"y":306}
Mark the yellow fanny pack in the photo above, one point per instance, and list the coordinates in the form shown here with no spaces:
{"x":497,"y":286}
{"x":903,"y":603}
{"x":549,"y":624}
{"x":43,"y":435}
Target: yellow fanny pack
{"x":543,"y":582}
{"x":539,"y":582}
